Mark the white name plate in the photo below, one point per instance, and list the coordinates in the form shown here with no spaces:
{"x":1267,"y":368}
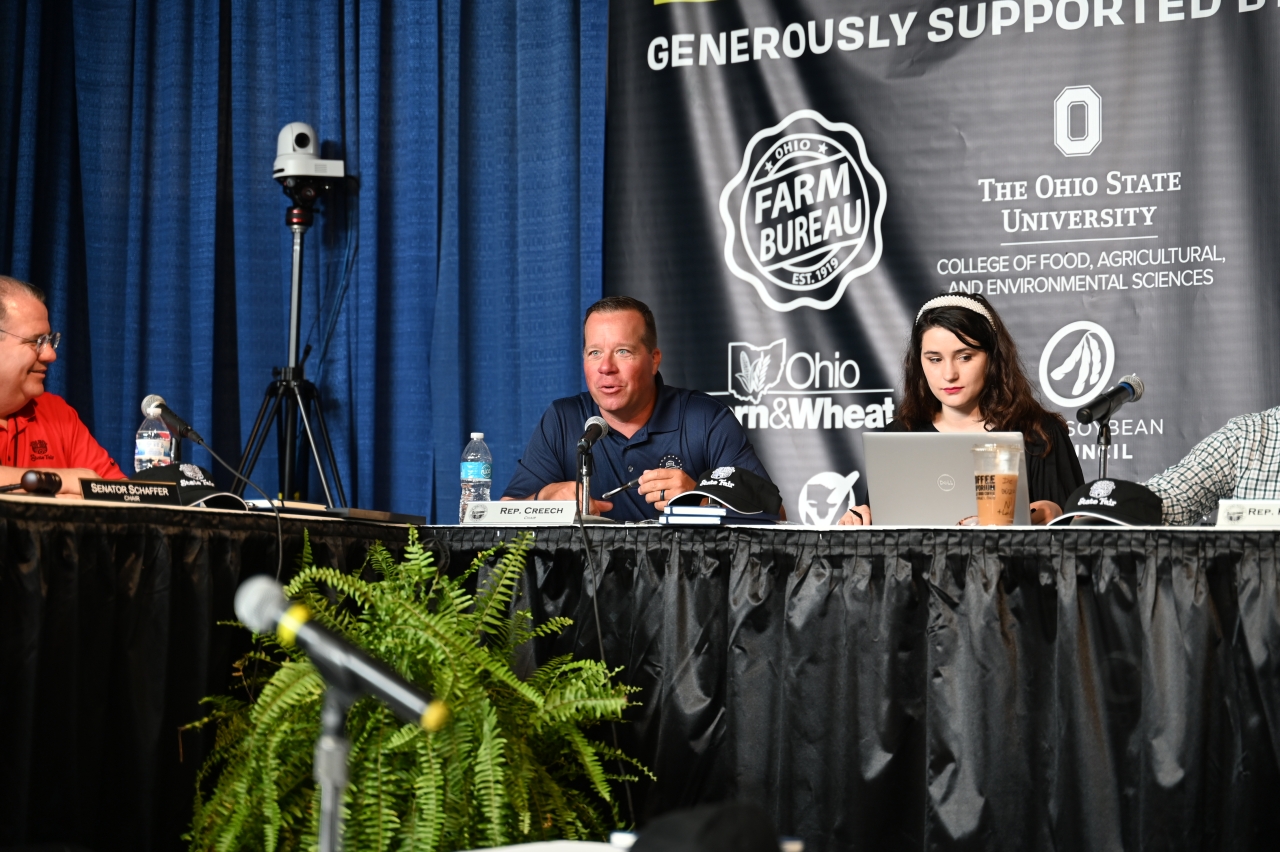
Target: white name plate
{"x":524,"y":513}
{"x":1249,"y":513}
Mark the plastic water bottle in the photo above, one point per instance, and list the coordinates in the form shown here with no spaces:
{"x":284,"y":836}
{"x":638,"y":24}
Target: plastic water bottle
{"x":154,"y":444}
{"x":477,"y":474}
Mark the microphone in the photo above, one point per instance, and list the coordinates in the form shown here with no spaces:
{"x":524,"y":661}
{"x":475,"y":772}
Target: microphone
{"x":178,"y":426}
{"x":41,"y":482}
{"x":593,"y":430}
{"x":36,"y":482}
{"x":263,"y":608}
{"x":1108,"y":403}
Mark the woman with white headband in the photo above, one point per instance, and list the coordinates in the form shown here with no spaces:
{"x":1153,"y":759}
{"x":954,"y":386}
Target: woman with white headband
{"x":962,"y":374}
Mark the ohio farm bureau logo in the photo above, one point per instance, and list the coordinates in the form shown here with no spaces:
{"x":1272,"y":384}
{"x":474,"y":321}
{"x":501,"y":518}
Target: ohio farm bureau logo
{"x":802,"y":215}
{"x":1077,"y":363}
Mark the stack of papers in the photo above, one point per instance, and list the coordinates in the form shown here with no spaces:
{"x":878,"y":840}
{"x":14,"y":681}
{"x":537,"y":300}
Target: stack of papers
{"x":710,"y":516}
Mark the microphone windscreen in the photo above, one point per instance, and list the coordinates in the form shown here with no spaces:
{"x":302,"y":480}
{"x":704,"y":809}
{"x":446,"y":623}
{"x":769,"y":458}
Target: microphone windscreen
{"x":1135,"y":383}
{"x":596,"y":421}
{"x":260,"y":602}
{"x":149,"y":405}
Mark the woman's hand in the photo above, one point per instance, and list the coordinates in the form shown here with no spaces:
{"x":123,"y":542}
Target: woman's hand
{"x":857,"y":516}
{"x":1044,"y":511}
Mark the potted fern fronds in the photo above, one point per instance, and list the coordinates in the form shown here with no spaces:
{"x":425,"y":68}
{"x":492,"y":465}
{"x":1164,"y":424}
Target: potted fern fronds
{"x":515,"y":763}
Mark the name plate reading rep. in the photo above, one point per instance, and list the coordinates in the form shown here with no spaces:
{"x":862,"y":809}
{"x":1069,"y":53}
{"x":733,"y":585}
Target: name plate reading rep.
{"x":524,"y":513}
{"x":125,"y":491}
{"x":1249,"y":513}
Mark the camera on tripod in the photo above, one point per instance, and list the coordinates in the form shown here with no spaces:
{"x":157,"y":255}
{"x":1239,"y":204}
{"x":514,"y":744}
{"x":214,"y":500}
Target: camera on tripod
{"x":290,"y":398}
{"x":303,"y":175}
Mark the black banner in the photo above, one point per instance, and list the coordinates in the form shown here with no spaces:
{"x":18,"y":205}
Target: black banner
{"x":787,"y":182}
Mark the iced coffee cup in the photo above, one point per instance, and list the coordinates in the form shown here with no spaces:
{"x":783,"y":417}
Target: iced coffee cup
{"x":995,"y":469}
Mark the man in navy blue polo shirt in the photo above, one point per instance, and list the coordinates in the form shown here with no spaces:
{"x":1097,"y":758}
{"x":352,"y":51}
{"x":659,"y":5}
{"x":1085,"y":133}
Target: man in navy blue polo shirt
{"x":665,"y":436}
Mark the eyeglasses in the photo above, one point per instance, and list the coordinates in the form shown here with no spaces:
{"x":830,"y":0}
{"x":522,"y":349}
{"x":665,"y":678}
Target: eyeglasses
{"x":51,"y":339}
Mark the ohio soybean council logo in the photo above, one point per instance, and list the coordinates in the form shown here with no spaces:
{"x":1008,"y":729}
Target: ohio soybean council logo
{"x":802,"y":215}
{"x":1076,"y":363}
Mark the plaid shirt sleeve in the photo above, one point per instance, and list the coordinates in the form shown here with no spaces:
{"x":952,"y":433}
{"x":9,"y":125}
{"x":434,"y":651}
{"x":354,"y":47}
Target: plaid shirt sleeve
{"x":1241,"y":459}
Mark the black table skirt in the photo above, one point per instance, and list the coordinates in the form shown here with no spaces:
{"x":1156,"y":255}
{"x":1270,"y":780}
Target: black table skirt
{"x":877,"y":689}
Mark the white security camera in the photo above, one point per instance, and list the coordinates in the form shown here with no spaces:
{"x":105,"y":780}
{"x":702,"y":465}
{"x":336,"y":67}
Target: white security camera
{"x":296,"y":155}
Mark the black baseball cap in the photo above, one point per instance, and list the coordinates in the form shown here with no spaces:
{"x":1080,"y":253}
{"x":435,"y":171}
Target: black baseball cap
{"x":737,"y":488}
{"x":195,"y":485}
{"x":1112,"y":501}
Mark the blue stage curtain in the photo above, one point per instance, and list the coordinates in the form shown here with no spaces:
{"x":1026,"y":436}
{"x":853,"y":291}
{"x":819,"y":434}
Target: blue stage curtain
{"x":443,"y":288}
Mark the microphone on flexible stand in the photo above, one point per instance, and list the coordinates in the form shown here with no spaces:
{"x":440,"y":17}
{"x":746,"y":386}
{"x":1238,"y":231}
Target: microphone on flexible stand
{"x":1108,"y":403}
{"x":593,"y":430}
{"x":40,"y":482}
{"x":154,"y":406}
{"x":1099,"y":411}
{"x":262,"y":607}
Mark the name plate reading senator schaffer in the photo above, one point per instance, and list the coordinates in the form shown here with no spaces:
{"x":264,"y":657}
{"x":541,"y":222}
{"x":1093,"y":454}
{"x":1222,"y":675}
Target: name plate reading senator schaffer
{"x":524,"y":513}
{"x":125,"y":491}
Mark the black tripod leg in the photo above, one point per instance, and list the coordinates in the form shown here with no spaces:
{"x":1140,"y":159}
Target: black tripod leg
{"x":298,"y":395}
{"x":328,"y":447}
{"x":258,"y":437}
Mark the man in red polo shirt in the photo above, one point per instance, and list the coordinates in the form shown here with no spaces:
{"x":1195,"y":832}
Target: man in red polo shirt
{"x":38,"y":430}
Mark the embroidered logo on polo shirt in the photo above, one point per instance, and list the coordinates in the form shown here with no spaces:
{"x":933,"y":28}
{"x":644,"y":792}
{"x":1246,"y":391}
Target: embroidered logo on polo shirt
{"x":39,"y":451}
{"x":670,"y":462}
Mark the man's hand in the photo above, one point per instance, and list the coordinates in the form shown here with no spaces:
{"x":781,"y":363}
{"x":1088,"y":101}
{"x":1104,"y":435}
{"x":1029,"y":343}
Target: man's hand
{"x":857,"y":516}
{"x":71,"y":477}
{"x":566,"y":491}
{"x":660,"y":485}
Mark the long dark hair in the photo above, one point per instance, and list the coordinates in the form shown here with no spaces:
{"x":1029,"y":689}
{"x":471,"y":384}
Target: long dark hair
{"x":1008,"y":403}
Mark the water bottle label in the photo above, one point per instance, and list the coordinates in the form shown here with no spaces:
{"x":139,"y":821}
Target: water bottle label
{"x":152,"y":448}
{"x":477,"y":470}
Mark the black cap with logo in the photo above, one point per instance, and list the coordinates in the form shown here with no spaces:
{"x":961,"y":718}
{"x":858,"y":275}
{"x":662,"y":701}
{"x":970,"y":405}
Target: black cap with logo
{"x":195,"y":485}
{"x":1112,"y":501}
{"x":736,"y":488}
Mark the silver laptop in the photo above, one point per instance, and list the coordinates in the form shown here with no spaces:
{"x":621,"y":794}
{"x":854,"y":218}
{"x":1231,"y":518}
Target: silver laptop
{"x":926,"y":478}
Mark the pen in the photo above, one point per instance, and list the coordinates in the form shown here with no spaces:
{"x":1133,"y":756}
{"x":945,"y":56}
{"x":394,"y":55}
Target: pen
{"x":632,"y":484}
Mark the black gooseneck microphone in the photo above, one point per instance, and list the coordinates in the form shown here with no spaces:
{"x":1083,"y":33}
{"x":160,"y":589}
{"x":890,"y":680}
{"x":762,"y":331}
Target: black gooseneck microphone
{"x":593,"y":430}
{"x":155,"y":402}
{"x":176,"y":424}
{"x":1108,"y":403}
{"x":263,"y":608}
{"x":41,"y":482}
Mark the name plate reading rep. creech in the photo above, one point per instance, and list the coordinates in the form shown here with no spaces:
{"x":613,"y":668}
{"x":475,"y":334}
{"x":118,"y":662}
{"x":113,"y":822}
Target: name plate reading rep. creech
{"x":125,"y":491}
{"x":524,"y":513}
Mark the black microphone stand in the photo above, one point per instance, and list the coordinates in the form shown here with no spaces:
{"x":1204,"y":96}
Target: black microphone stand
{"x":1104,"y":446}
{"x":291,"y":389}
{"x":586,"y":467}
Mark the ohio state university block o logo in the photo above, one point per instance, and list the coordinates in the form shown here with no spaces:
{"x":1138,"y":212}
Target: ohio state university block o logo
{"x":802,"y":215}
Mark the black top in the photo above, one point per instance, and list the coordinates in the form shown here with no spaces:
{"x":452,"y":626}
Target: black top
{"x":1049,"y":477}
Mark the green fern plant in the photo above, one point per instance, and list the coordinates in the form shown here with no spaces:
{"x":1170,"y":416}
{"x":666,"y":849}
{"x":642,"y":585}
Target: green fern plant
{"x":515,"y":763}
